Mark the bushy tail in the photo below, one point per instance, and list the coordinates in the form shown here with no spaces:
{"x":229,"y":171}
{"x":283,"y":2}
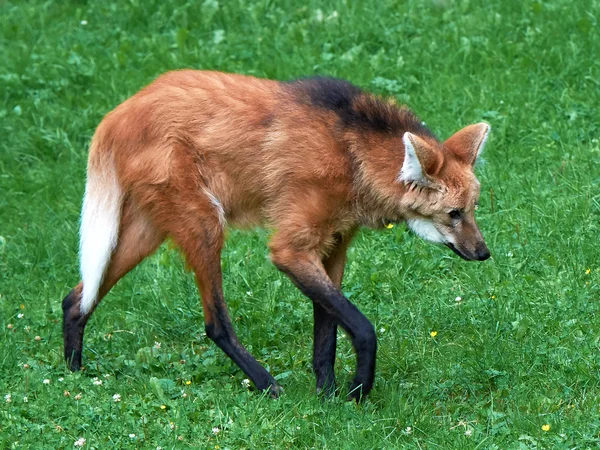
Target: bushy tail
{"x":100,"y":219}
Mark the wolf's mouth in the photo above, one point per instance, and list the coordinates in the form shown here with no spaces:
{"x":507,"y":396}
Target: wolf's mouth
{"x":457,"y":251}
{"x":480,"y":254}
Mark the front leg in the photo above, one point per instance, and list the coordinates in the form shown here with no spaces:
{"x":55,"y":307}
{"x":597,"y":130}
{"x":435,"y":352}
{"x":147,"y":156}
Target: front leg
{"x":307,"y":272}
{"x":325,"y":325}
{"x":324,"y":345}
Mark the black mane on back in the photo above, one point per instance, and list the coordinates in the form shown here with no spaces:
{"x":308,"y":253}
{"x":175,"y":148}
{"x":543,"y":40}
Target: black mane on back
{"x":356,"y":108}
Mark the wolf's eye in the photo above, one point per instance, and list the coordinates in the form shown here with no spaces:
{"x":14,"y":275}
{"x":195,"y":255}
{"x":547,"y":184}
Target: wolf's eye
{"x":455,"y":214}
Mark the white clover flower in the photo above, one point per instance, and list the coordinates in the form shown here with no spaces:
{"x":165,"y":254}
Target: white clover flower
{"x":246,"y":383}
{"x":79,"y":442}
{"x":37,"y":338}
{"x":7,"y":398}
{"x":84,"y":22}
{"x":216,"y":430}
{"x":156,"y":345}
{"x":132,"y":435}
{"x":96,"y":381}
{"x":9,"y":326}
{"x":408,"y":430}
{"x":468,"y":432}
{"x":20,"y":315}
{"x":183,"y":393}
{"x":25,"y":399}
{"x":382,"y":330}
{"x":117,"y":398}
{"x":78,"y":396}
{"x":61,"y":379}
{"x":458,"y":299}
{"x":46,"y":381}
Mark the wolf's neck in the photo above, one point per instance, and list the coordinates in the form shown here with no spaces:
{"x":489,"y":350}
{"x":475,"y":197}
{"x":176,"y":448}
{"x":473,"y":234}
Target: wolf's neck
{"x":375,"y":181}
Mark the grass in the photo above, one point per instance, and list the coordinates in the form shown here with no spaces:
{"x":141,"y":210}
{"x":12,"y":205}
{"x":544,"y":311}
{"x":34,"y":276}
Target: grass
{"x":518,"y":352}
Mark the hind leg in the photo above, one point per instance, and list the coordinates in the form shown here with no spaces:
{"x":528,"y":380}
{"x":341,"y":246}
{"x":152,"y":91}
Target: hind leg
{"x":201,"y":240}
{"x":137,"y":239}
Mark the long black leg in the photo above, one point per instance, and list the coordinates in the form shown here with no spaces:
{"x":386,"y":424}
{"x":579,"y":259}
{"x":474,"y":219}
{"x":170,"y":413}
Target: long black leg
{"x":202,"y":248}
{"x":325,"y":325}
{"x":137,"y":239}
{"x":324,"y":345}
{"x":220,"y":331}
{"x":73,"y":327}
{"x":307,"y":272}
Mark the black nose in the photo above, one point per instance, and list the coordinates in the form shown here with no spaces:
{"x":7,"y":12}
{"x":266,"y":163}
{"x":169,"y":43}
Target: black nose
{"x":481,"y":252}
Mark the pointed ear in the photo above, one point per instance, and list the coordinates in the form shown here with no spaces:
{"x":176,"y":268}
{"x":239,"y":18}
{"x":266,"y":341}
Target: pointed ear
{"x":468,"y":143}
{"x":421,"y":160}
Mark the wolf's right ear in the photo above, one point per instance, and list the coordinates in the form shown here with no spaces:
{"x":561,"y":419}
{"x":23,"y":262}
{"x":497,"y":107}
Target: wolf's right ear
{"x":420,"y":160}
{"x":468,"y":143}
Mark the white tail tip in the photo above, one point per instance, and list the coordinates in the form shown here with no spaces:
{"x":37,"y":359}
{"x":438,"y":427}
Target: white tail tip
{"x":100,"y":218}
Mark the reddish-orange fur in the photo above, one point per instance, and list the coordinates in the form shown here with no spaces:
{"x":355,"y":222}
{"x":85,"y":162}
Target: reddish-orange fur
{"x":270,"y":159}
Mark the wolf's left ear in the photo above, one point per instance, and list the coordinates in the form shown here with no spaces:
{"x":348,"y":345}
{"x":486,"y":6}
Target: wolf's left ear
{"x":421,"y":160}
{"x":468,"y":143}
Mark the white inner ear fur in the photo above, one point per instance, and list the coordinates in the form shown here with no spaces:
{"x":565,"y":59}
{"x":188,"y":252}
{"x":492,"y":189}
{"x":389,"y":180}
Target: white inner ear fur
{"x":425,"y":229}
{"x":411,"y":168}
{"x":483,"y":141}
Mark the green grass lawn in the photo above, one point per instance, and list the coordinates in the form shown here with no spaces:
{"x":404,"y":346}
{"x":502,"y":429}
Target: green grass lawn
{"x":519,"y":352}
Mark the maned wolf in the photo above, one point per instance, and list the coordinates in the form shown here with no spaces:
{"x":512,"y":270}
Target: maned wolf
{"x":312,"y":159}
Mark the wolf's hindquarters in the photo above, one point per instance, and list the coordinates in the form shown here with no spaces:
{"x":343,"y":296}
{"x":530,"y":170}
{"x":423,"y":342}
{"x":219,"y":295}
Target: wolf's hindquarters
{"x":100,"y":218}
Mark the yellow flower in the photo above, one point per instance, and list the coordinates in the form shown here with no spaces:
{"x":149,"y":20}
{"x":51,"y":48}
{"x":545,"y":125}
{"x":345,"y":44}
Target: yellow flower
{"x":433,"y":333}
{"x":389,"y":226}
{"x":493,"y":297}
{"x":163,"y":407}
{"x":188,"y":382}
{"x":22,"y":306}
{"x":587,"y":271}
{"x":545,"y":427}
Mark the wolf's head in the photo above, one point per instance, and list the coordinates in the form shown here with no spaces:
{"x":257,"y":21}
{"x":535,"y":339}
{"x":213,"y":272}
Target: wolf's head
{"x":442,"y":191}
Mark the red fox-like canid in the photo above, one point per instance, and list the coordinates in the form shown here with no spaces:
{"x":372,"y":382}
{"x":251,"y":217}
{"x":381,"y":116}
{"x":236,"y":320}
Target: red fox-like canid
{"x":312,"y":159}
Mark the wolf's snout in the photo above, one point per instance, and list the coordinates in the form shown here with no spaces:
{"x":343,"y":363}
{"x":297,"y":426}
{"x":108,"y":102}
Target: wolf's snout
{"x":482,"y":252}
